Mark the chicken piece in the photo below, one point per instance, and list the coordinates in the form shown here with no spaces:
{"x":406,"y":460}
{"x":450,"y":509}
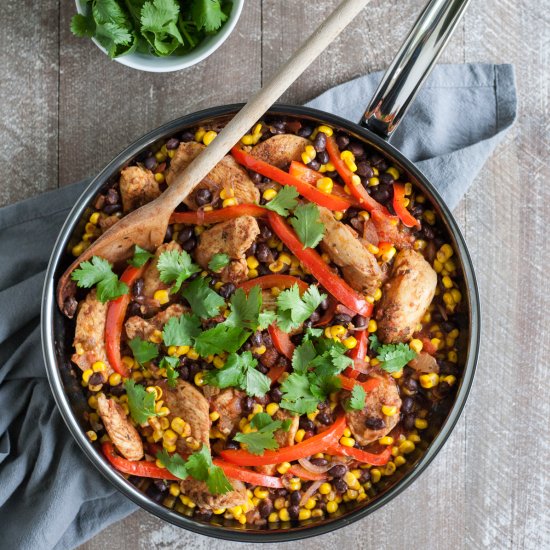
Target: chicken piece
{"x":285,"y":439}
{"x":359,"y":267}
{"x":228,"y":403}
{"x":281,"y":150}
{"x":89,"y":338}
{"x":371,"y":424}
{"x":108,"y":222}
{"x":198,"y":492}
{"x":151,"y":276}
{"x":232,"y":237}
{"x":185,"y":401}
{"x":226,"y":174}
{"x":138,"y":186}
{"x":122,"y":432}
{"x":405,"y":297}
{"x":137,"y":326}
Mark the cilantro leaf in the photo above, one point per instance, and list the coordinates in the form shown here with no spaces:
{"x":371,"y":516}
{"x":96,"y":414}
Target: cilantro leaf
{"x":175,"y":464}
{"x":394,"y":357}
{"x":218,"y":262}
{"x":113,"y":29}
{"x":245,"y":309}
{"x":264,"y":438}
{"x":143,"y":351}
{"x":170,"y":364}
{"x":240,"y":371}
{"x":219,"y":339}
{"x":357,"y":399}
{"x":307,"y":223}
{"x":204,"y":301}
{"x":82,"y":25}
{"x":176,"y":267}
{"x":140,"y":402}
{"x":297,"y":394}
{"x":284,"y":201}
{"x":266,"y":318}
{"x":294,"y":309}
{"x":302,"y":357}
{"x":199,"y":466}
{"x":181,"y":331}
{"x":98,"y":271}
{"x":311,"y":333}
{"x":207,"y":14}
{"x":374,"y":343}
{"x":140,"y":257}
{"x":159,"y":20}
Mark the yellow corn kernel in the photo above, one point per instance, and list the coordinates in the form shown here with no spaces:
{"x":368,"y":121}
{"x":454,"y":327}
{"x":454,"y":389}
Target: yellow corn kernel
{"x":284,"y":515}
{"x":347,"y":432}
{"x":347,"y":441}
{"x":338,"y":215}
{"x":283,"y":467}
{"x":86,"y":376}
{"x":374,"y":181}
{"x":192,"y":354}
{"x":260,"y":350}
{"x":452,"y":356}
{"x":261,"y":493}
{"x":218,"y":362}
{"x":406,"y":447}
{"x":276,"y":266}
{"x":419,"y":244}
{"x":159,"y":177}
{"x":375,"y":475}
{"x":399,"y":461}
{"x":373,"y":249}
{"x":337,"y":330}
{"x":192,"y":443}
{"x":325,"y":185}
{"x":457,"y":296}
{"x":199,"y":379}
{"x":92,"y":436}
{"x":389,"y":410}
{"x":229,"y":202}
{"x":325,"y":488}
{"x":304,"y":514}
{"x":161,"y":296}
{"x":273,"y":517}
{"x":332,"y":506}
{"x":252,"y":273}
{"x":374,"y":362}
{"x":449,"y":379}
{"x":394,"y":173}
{"x":310,"y":504}
{"x":429,"y":217}
{"x":252,"y":262}
{"x":397,"y":374}
{"x":390,"y":468}
{"x":99,"y":366}
{"x":170,"y":436}
{"x":327,"y":130}
{"x":214,"y":416}
{"x":350,"y":342}
{"x":272,"y":408}
{"x":227,"y":193}
{"x":94,"y":218}
{"x":199,"y":134}
{"x":299,"y":437}
{"x":209,"y":137}
{"x":295,"y":484}
{"x":386,"y":440}
{"x":436,"y":342}
{"x":157,"y":390}
{"x":429,"y":380}
{"x":372,"y":326}
{"x":388,"y":255}
{"x":269,"y":194}
{"x":175,"y":489}
{"x":420,"y":423}
{"x":164,"y":423}
{"x":447,"y":282}
{"x":416,"y":345}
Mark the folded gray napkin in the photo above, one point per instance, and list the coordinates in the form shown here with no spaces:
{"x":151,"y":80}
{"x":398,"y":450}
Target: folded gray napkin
{"x":50,"y":494}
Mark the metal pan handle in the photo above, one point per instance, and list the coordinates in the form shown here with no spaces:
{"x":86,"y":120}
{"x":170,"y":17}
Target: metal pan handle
{"x":412,"y":65}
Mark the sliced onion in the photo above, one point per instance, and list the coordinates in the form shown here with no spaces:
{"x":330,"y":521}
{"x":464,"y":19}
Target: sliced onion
{"x":310,"y":467}
{"x":310,"y":492}
{"x":424,"y":362}
{"x":443,"y":312}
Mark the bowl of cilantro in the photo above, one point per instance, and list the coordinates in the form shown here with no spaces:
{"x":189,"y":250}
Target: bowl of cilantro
{"x":156,"y":35}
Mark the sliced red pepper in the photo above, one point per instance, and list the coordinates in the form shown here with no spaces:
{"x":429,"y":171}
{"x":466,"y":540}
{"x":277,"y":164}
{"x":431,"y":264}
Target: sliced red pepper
{"x":318,"y":268}
{"x":427,"y":346}
{"x":350,"y":383}
{"x":399,"y":206}
{"x":310,"y":192}
{"x":222,"y":214}
{"x":281,"y":340}
{"x":316,"y":444}
{"x":248,"y":476}
{"x":358,"y":354}
{"x":116,"y":312}
{"x":362,"y":456}
{"x":270,"y":281}
{"x":329,"y":313}
{"x":301,"y":472}
{"x":140,"y":468}
{"x":276,"y":372}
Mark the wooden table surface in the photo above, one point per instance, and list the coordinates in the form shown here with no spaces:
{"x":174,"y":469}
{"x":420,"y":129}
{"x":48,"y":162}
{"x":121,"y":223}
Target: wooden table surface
{"x":66,"y":110}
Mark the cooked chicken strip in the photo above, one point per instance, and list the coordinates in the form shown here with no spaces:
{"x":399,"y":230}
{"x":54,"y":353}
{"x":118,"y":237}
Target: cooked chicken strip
{"x":281,"y":150}
{"x":226,"y":174}
{"x":405,"y":297}
{"x":122,"y":432}
{"x":198,"y":492}
{"x":144,"y":328}
{"x":234,"y":238}
{"x":89,"y":338}
{"x":151,"y":275}
{"x":371,"y":424}
{"x":359,"y":267}
{"x":228,"y":403}
{"x":138,"y":186}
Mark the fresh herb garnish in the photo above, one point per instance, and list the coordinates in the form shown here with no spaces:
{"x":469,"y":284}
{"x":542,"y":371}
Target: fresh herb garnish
{"x":356,"y":401}
{"x":221,"y":338}
{"x":264,"y":438}
{"x":99,"y":271}
{"x":176,"y":267}
{"x":392,"y":357}
{"x":208,"y":14}
{"x":308,"y":225}
{"x":140,"y":402}
{"x":204,"y":301}
{"x":218,"y":262}
{"x":181,"y":331}
{"x":170,"y":364}
{"x":140,"y":257}
{"x":175,"y":464}
{"x":159,"y":25}
{"x":143,"y":350}
{"x":294,"y":309}
{"x":285,"y":200}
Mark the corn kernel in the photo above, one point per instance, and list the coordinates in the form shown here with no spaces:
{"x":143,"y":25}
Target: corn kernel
{"x":229,"y":202}
{"x":252,"y":262}
{"x":283,"y":467}
{"x":457,"y":296}
{"x":393,"y":172}
{"x":332,"y":506}
{"x":209,"y":137}
{"x":269,"y":194}
{"x":375,"y":475}
{"x":452,"y":356}
{"x":386,"y":440}
{"x":310,"y":504}
{"x":86,"y":375}
{"x":284,"y":515}
{"x":325,"y":488}
{"x":397,"y":374}
{"x":192,"y":354}
{"x":374,"y":181}
{"x":299,"y":437}
{"x":199,"y":134}
{"x":337,"y":330}
{"x":252,"y":273}
{"x":429,"y":216}
{"x":429,"y":380}
{"x":325,"y":185}
{"x":273,"y":517}
{"x":406,"y":447}
{"x":272,"y":408}
{"x":449,"y":379}
{"x":161,"y":296}
{"x":99,"y":366}
{"x":276,"y":266}
{"x":199,"y":379}
{"x":214,"y":416}
{"x":327,"y":130}
{"x":372,"y":326}
{"x":389,"y":468}
{"x":261,"y":493}
{"x":350,"y":342}
{"x":389,"y":410}
{"x":304,"y":514}
{"x":347,"y":441}
{"x":374,"y":362}
{"x":447,"y":282}
{"x":92,"y":436}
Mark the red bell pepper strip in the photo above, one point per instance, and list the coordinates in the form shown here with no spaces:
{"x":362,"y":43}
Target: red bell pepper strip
{"x":310,"y":192}
{"x":298,"y":471}
{"x":275,"y":372}
{"x":349,"y":383}
{"x":362,"y":456}
{"x":140,"y":468}
{"x":327,"y":316}
{"x":281,"y":341}
{"x":248,"y":476}
{"x":116,"y":312}
{"x":270,"y":281}
{"x":316,"y":444}
{"x":318,"y":268}
{"x":399,"y":206}
{"x":358,"y":354}
{"x":222,"y":214}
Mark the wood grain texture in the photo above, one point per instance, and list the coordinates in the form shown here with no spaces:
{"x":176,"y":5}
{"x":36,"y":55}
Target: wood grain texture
{"x":488,"y":487}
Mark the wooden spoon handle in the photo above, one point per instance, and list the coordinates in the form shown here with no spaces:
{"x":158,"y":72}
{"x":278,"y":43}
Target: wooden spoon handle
{"x":261,"y":101}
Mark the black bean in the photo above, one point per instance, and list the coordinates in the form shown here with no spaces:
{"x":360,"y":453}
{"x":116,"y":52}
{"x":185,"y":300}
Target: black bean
{"x":294,"y":511}
{"x":265,"y":232}
{"x":319,"y":461}
{"x":338,"y":470}
{"x":365,"y":476}
{"x":112,"y":208}
{"x":357,"y":149}
{"x":203,"y":515}
{"x":323,"y":157}
{"x":408,"y":422}
{"x":154,"y":494}
{"x":265,"y":508}
{"x":320,"y":142}
{"x":280,"y":492}
{"x":184,"y":373}
{"x":194,"y":368}
{"x":161,"y":485}
{"x":262,"y":368}
{"x":428,"y":232}
{"x":267,"y":339}
{"x":185,"y":233}
{"x":407,"y":405}
{"x":263,"y":269}
{"x":248,"y":404}
{"x":386,"y":178}
{"x":112,"y":196}
{"x":276,"y":395}
{"x":314,"y":164}
{"x":232,"y":444}
{"x":374,"y":423}
{"x":256,"y":339}
{"x":295,"y":497}
{"x":324,"y":304}
{"x":342,"y":141}
{"x":190,"y":244}
{"x":305,"y":131}
{"x":446,"y":367}
{"x":381,"y":193}
{"x":263,"y":253}
{"x":255,"y":177}
{"x":203,"y":196}
{"x":168,"y":234}
{"x":340,"y":486}
{"x":252,"y":250}
{"x":364,"y":170}
{"x":278,"y":124}
{"x":227,"y":290}
{"x":306,"y":424}
{"x":172,"y":143}
{"x":96,"y":379}
{"x":411,"y":384}
{"x":324,"y":418}
{"x":342,"y":318}
{"x":447,"y":326}
{"x":417,"y":210}
{"x":359,"y":321}
{"x":187,"y":135}
{"x":137,"y":289}
{"x":150,"y":163}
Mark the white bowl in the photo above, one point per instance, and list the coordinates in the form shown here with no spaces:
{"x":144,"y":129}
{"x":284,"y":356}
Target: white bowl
{"x":154,"y":64}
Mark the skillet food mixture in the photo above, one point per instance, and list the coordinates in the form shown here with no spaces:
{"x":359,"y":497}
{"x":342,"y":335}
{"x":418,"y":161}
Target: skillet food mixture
{"x":291,"y":344}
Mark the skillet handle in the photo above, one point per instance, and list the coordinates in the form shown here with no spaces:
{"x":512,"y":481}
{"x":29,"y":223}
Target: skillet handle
{"x":412,"y":65}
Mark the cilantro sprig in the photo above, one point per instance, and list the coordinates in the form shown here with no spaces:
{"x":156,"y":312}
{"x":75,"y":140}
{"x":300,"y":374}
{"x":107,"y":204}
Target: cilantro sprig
{"x":140,"y":257}
{"x":181,"y":331}
{"x":284,"y":201}
{"x":392,"y":357}
{"x":204,"y":301}
{"x":176,"y":267}
{"x":140,"y":402}
{"x":170,"y":364}
{"x":99,"y":272}
{"x":294,"y":309}
{"x":143,"y":350}
{"x":308,"y":225}
{"x":218,"y":262}
{"x":357,"y":399}
{"x":264,"y":436}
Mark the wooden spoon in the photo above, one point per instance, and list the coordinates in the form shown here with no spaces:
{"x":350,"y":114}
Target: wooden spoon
{"x":147,"y":225}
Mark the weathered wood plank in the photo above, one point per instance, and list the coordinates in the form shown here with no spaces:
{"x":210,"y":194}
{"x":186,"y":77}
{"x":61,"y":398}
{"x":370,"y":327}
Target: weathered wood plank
{"x":28,"y":98}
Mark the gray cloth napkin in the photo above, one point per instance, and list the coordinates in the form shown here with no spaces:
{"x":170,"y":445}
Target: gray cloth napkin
{"x":50,"y":494}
